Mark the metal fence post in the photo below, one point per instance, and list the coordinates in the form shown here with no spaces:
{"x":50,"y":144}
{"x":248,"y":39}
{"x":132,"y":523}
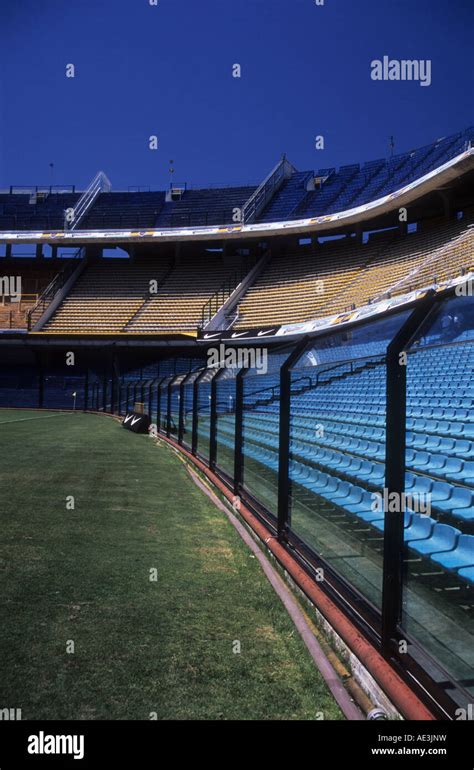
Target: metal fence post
{"x":112,"y":393}
{"x":181,"y":409}
{"x":194,"y":429}
{"x":284,"y":486}
{"x":104,"y":390}
{"x":127,"y":396}
{"x":86,"y":390}
{"x":158,"y":404}
{"x":395,"y":449}
{"x":194,"y":444}
{"x":150,"y":399}
{"x":119,"y":396}
{"x":168,"y":408}
{"x":40,"y":382}
{"x":213,"y":426}
{"x":239,"y":437}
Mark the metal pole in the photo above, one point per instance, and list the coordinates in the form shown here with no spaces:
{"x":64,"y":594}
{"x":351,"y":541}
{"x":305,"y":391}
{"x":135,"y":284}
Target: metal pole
{"x":86,"y":390}
{"x":168,"y":409}
{"x":213,"y":426}
{"x":150,"y":399}
{"x":104,"y":391}
{"x":284,"y":485}
{"x":182,"y":405}
{"x":40,"y":382}
{"x":195,"y":436}
{"x":158,"y":402}
{"x":395,"y":449}
{"x":238,"y":438}
{"x":119,"y":397}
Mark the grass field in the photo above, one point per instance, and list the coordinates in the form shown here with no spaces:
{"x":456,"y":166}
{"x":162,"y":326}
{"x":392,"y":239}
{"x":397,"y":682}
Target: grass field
{"x":83,"y":576}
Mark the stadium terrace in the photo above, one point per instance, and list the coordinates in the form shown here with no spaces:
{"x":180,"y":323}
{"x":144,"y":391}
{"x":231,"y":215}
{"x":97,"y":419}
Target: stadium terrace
{"x":349,"y":283}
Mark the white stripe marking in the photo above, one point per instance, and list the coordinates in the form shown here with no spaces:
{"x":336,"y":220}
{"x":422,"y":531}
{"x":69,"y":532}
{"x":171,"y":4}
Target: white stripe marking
{"x":26,"y":419}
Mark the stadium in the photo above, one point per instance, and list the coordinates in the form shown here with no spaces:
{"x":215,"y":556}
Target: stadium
{"x":305,"y":345}
{"x":236,"y":379}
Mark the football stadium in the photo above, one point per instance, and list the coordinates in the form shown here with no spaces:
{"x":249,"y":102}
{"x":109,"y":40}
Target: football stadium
{"x":303,"y":346}
{"x":237,"y":440}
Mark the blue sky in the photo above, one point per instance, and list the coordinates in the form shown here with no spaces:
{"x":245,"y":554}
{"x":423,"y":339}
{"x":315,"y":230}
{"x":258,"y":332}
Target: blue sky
{"x":166,"y":70}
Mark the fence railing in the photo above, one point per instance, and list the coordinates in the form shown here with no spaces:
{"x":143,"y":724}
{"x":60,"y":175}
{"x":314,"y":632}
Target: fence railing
{"x":51,"y":290}
{"x":269,"y":468}
{"x":52,"y":189}
{"x":266,"y":190}
{"x":99,"y":184}
{"x":416,"y":278}
{"x":221,"y":295}
{"x":126,"y":220}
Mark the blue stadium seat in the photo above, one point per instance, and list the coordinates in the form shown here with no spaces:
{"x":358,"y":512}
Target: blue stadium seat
{"x":461,"y":556}
{"x":420,"y":528}
{"x":442,"y":538}
{"x":467,"y":573}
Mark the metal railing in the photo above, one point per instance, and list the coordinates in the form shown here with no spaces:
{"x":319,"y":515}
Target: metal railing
{"x":51,"y":290}
{"x":219,"y":217}
{"x":299,"y":203}
{"x":382,"y":622}
{"x":220,"y":296}
{"x":411,"y":281}
{"x":118,"y":220}
{"x":346,"y":368}
{"x":266,"y":190}
{"x":34,"y":189}
{"x":25,"y":298}
{"x":99,"y":184}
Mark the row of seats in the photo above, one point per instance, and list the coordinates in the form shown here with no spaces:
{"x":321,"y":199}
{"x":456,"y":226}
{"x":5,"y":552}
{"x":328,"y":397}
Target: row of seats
{"x":123,"y":210}
{"x":355,"y":461}
{"x":287,"y":198}
{"x":337,"y":445}
{"x":204,"y":207}
{"x":444,"y":544}
{"x":354,"y":186}
{"x":106,"y":296}
{"x":179,"y":304}
{"x":33,"y":281}
{"x":336,"y":276}
{"x":438,"y":252}
{"x":348,"y":187}
{"x":114,"y":297}
{"x":23,"y":212}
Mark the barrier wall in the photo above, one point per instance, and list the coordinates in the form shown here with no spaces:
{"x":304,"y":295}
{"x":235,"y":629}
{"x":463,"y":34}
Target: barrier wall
{"x":356,"y":447}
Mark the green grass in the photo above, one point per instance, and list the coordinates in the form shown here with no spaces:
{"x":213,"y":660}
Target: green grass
{"x":83,"y":575}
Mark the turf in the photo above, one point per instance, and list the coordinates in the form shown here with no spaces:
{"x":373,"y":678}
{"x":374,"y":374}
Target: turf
{"x":142,"y":648}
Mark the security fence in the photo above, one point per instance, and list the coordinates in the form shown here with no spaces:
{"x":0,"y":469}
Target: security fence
{"x":356,"y":448}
